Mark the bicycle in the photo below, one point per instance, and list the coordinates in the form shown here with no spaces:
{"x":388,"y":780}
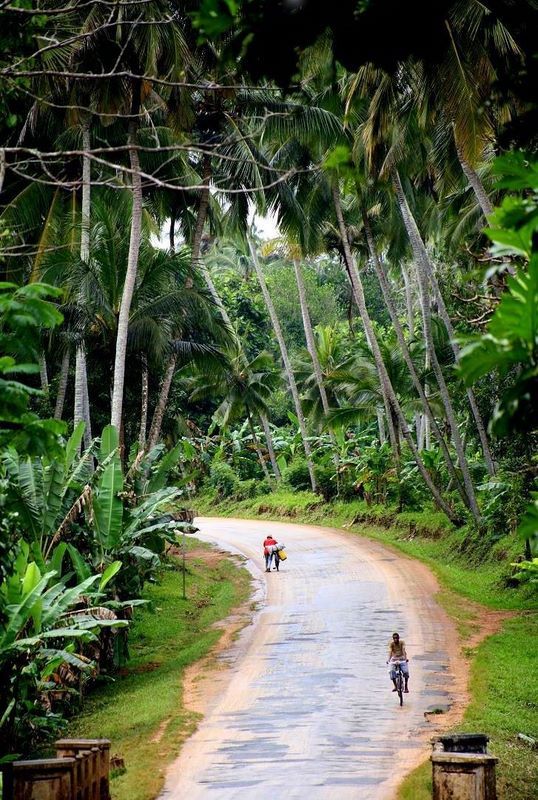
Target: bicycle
{"x":399,"y":679}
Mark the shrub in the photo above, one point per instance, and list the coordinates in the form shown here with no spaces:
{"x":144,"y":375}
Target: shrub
{"x":326,"y":481}
{"x":296,"y":474}
{"x":246,"y":490}
{"x":223,"y":479}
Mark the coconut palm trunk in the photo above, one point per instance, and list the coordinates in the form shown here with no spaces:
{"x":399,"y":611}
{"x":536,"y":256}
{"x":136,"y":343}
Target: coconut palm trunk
{"x":2,"y":168}
{"x":421,"y":258}
{"x":81,"y":373}
{"x":144,"y":404}
{"x":389,"y":418}
{"x":158,"y":414}
{"x":227,"y":321}
{"x":479,"y":422}
{"x":257,"y":446}
{"x":427,"y":410}
{"x":43,"y":372}
{"x":78,"y":410}
{"x":309,"y":335}
{"x":476,"y":184}
{"x":62,"y":386}
{"x":130,"y":276}
{"x":287,"y":365}
{"x":384,"y":378}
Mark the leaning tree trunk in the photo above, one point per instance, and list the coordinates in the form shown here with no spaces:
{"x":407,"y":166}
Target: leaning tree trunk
{"x":479,"y":422}
{"x":384,"y":378}
{"x":130,"y":280}
{"x":394,"y":443}
{"x":270,"y":446}
{"x":421,"y":258}
{"x":227,"y":321}
{"x":476,"y":184}
{"x":62,"y":386}
{"x":257,"y":446}
{"x":287,"y":365}
{"x":311,"y":347}
{"x":158,"y":414}
{"x":144,"y":404}
{"x":387,"y":296}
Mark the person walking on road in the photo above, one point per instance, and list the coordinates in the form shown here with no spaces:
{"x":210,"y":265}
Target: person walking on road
{"x":397,"y":652}
{"x":269,"y":551}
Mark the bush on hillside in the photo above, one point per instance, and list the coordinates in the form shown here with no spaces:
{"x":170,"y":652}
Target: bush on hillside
{"x":296,"y":475}
{"x":223,"y":479}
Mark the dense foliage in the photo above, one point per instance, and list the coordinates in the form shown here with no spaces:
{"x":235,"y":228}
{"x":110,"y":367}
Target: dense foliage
{"x":380,"y":345}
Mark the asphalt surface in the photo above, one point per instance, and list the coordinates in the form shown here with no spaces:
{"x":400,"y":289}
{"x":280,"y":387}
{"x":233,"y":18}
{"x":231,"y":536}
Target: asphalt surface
{"x":304,"y":709}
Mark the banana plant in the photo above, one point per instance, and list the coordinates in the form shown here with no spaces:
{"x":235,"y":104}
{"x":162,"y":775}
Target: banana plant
{"x":42,"y":489}
{"x":45,"y":623}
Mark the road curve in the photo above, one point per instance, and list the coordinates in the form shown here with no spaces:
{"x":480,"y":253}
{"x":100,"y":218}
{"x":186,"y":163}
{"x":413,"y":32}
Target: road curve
{"x":305,"y":711}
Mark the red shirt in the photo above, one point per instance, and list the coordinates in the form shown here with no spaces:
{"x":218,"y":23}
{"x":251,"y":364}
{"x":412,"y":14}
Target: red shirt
{"x":267,"y":544}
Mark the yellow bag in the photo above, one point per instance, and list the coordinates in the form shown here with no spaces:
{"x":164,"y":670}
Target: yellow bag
{"x":282,"y":555}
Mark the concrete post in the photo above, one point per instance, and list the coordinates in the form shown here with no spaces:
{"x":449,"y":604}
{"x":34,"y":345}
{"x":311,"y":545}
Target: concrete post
{"x":464,"y":776}
{"x":51,"y":778}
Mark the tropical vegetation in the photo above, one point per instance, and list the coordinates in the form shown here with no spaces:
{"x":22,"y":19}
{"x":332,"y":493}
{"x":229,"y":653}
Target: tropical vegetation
{"x":379,"y":346}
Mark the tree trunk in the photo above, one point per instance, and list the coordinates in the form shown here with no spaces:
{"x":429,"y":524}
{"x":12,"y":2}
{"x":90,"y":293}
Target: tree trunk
{"x":422,"y":263}
{"x":82,"y":403}
{"x":78,"y":411}
{"x":62,"y":386}
{"x":479,"y":422}
{"x":172,"y":234}
{"x":130,"y":280}
{"x":428,"y":413}
{"x":309,"y":336}
{"x":2,"y":168}
{"x":287,"y":365}
{"x":158,"y":414}
{"x":376,"y":352}
{"x":409,"y":305}
{"x":43,"y":374}
{"x":475,"y":183}
{"x":203,"y":207}
{"x":144,"y":399}
{"x":257,"y":446}
{"x":86,"y":407}
{"x":270,"y":446}
{"x":227,"y":321}
{"x":381,"y":426}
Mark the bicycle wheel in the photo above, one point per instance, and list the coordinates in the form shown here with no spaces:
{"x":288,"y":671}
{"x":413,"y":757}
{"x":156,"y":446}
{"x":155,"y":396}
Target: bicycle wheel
{"x":399,"y":686}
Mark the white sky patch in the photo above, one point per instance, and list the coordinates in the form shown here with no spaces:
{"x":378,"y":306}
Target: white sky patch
{"x":266,"y":227}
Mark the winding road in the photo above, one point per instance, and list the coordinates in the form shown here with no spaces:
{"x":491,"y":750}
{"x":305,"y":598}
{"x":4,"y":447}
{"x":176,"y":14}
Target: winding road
{"x":304,"y":710}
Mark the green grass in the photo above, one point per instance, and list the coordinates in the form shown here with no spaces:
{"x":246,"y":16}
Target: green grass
{"x":504,"y":686}
{"x":167,"y":636}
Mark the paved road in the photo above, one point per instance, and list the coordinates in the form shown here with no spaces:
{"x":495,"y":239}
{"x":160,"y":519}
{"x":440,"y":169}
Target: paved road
{"x":305,"y":709}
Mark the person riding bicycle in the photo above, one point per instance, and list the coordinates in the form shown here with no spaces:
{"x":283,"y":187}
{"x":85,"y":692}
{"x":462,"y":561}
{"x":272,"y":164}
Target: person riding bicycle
{"x":397,"y":652}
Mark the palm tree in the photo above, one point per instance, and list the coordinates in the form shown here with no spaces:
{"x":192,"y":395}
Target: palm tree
{"x":386,"y":385}
{"x":286,"y":362}
{"x":246,"y":389}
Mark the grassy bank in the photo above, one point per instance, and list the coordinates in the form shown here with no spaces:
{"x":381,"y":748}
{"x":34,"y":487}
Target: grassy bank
{"x":504,"y":691}
{"x":141,"y":711}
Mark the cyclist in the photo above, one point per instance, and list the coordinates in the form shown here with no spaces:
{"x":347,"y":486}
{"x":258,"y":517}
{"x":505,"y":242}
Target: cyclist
{"x":397,"y":652}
